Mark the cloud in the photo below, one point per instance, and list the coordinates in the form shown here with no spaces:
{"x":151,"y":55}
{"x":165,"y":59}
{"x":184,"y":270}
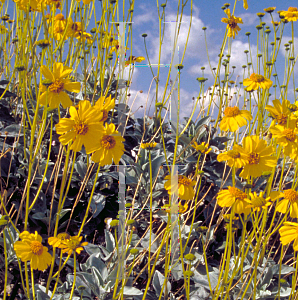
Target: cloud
{"x":248,"y":19}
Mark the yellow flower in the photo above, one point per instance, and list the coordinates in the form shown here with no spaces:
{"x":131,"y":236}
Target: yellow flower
{"x":29,"y":5}
{"x":56,"y":3}
{"x":72,"y":244}
{"x":111,"y":146}
{"x":287,"y":138}
{"x":86,"y":2}
{"x":148,"y":146}
{"x":256,"y":81}
{"x":233,"y":196}
{"x":3,"y":29}
{"x":82,"y":128}
{"x":57,"y":81}
{"x":31,"y":248}
{"x":234,"y":118}
{"x":233,"y":157}
{"x":85,"y":37}
{"x":259,"y":157}
{"x":60,"y":238}
{"x":182,"y":207}
{"x":289,"y":233}
{"x":232,"y":22}
{"x":279,"y":112}
{"x":245,"y":5}
{"x":270,"y":9}
{"x":203,"y":148}
{"x":259,"y":202}
{"x":291,"y":14}
{"x":105,"y":105}
{"x":133,"y":59}
{"x":290,"y":197}
{"x":61,"y":27}
{"x":184,"y":188}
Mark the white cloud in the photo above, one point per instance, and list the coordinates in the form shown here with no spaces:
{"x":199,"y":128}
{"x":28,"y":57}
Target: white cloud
{"x":248,"y":19}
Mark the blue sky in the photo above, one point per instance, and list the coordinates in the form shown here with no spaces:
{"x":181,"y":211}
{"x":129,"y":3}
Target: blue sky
{"x":205,"y":14}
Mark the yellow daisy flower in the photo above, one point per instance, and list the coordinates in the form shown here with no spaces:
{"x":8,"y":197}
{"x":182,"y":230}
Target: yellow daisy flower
{"x":82,"y":128}
{"x":289,"y":233}
{"x":259,"y":157}
{"x":291,"y":15}
{"x":57,"y":81}
{"x":203,"y":147}
{"x":270,"y":9}
{"x":259,"y":202}
{"x":61,"y":27}
{"x":84,"y":37}
{"x":31,"y":248}
{"x":279,"y":112}
{"x":232,"y":22}
{"x":148,"y":146}
{"x":184,"y":188}
{"x":32,"y":5}
{"x":245,"y":5}
{"x":234,"y":118}
{"x":256,"y":81}
{"x":290,"y":197}
{"x":86,"y":2}
{"x":72,"y":244}
{"x":233,"y":157}
{"x":60,"y":238}
{"x":233,"y":196}
{"x":287,"y":138}
{"x":111,"y":146}
{"x":133,"y":59}
{"x":105,"y":104}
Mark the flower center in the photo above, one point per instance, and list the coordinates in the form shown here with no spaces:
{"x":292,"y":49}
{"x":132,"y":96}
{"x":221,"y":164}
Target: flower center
{"x":57,"y":86}
{"x":234,"y":154}
{"x":257,"y":78}
{"x":282,"y":119}
{"x":81,"y":128}
{"x":36,"y":247}
{"x":63,"y":236}
{"x":184,"y":180}
{"x":291,"y":195}
{"x":232,"y":23}
{"x":231,"y":111}
{"x":292,"y":9}
{"x":290,"y":135}
{"x":73,"y":243}
{"x":239,"y":195}
{"x":108,"y":142}
{"x":254,"y":158}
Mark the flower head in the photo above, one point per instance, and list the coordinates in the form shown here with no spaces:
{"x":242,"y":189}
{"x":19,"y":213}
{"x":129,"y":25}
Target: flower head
{"x":279,"y":112}
{"x":259,"y":157}
{"x":148,"y":146}
{"x":289,"y":233}
{"x":203,"y":148}
{"x":256,"y":81}
{"x":290,"y":198}
{"x":184,"y":188}
{"x":259,"y":202}
{"x":57,"y":82}
{"x":269,"y":10}
{"x":233,"y":196}
{"x":60,"y":238}
{"x":133,"y":59}
{"x":72,"y":244}
{"x":232,"y":22}
{"x":105,"y":104}
{"x":82,"y":128}
{"x":291,"y":15}
{"x":234,"y":118}
{"x":233,"y":157}
{"x":31,"y":248}
{"x":111,"y":146}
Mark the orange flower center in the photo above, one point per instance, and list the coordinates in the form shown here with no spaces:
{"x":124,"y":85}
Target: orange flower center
{"x":237,"y":193}
{"x":282,"y":119}
{"x":81,"y":128}
{"x":104,"y":115}
{"x":36,"y":247}
{"x":257,"y":78}
{"x":108,"y":142}
{"x":56,"y":87}
{"x":289,"y":134}
{"x":292,"y":9}
{"x":184,"y":180}
{"x":231,"y":111}
{"x":291,"y":195}
{"x":234,"y":154}
{"x":253,"y":158}
{"x":232,"y":23}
